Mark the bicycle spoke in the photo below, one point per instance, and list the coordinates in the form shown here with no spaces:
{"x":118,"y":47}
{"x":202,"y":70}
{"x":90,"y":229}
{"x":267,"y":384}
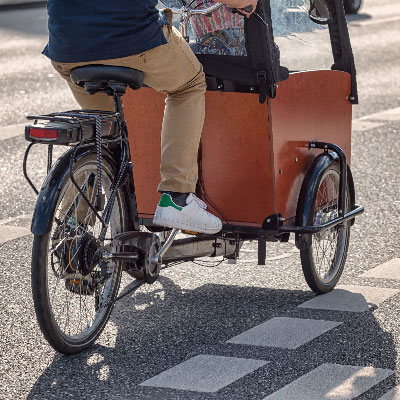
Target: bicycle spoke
{"x":72,"y":294}
{"x":327,"y":245}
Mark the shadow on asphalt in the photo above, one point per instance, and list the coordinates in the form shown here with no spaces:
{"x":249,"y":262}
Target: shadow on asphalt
{"x":357,"y":17}
{"x":165,"y":326}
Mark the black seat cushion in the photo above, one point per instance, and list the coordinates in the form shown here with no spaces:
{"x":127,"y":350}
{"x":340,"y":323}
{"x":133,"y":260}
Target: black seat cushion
{"x":107,"y":73}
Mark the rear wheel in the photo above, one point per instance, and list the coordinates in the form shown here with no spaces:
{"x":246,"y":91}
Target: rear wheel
{"x":72,"y":296}
{"x":324,"y":255}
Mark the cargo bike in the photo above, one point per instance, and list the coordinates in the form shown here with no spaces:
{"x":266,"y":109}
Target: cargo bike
{"x":274,"y":161}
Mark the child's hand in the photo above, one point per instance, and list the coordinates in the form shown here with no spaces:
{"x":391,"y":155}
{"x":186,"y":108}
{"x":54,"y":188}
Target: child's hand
{"x":248,"y":10}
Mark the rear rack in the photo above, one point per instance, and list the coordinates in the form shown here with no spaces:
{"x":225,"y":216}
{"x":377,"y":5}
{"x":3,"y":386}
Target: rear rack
{"x":71,"y":127}
{"x":83,"y":113}
{"x":74,"y":128}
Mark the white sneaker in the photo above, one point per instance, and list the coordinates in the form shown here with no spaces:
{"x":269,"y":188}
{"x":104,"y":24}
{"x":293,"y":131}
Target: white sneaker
{"x":193,"y":217}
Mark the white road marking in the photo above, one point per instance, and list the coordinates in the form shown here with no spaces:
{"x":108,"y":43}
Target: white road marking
{"x":371,"y":22}
{"x":394,"y":394}
{"x":332,"y":382}
{"x":8,"y":233}
{"x":7,"y":2}
{"x":205,"y":373}
{"x":360,"y":126}
{"x":18,"y":218}
{"x":376,"y":120}
{"x":388,"y":270}
{"x":285,"y":333}
{"x":387,"y":115}
{"x":10,"y":131}
{"x":350,"y":298}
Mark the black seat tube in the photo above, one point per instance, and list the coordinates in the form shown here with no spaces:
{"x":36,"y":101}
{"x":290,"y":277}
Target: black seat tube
{"x":118,"y":106}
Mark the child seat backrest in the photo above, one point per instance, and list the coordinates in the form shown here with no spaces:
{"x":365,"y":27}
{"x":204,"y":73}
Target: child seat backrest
{"x":254,"y":63}
{"x":263,"y":52}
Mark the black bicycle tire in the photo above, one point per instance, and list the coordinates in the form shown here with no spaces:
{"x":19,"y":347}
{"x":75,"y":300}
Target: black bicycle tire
{"x":352,"y":8}
{"x":39,"y":283}
{"x":306,"y":253}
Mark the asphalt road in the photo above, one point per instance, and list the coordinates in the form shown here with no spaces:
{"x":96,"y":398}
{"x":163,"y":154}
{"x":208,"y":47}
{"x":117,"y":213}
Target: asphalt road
{"x":192,"y":312}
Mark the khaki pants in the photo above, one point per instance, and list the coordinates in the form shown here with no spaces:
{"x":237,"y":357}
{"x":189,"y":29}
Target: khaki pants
{"x":172,"y":69}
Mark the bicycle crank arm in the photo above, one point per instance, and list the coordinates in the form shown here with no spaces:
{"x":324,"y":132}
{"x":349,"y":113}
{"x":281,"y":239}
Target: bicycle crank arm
{"x":157,"y":258}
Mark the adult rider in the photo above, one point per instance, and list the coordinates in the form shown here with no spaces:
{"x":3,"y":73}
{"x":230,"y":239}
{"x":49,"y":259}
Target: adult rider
{"x":136,"y":34}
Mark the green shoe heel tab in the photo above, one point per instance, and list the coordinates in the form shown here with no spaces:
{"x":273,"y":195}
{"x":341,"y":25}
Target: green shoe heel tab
{"x":166,"y":201}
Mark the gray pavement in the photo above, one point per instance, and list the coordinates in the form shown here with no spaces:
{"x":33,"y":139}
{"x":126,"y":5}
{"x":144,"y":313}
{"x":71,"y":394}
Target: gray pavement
{"x":175,"y":339}
{"x":19,"y":2}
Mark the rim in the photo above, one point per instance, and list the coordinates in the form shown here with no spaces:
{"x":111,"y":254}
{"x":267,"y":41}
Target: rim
{"x":328,"y":246}
{"x":75,"y":295}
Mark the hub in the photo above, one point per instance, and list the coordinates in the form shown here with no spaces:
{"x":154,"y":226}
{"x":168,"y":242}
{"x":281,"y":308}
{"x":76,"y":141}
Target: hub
{"x":323,"y":217}
{"x":80,"y":253}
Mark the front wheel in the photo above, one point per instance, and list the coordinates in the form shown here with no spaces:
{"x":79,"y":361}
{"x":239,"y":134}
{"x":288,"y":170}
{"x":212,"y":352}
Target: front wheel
{"x":323,"y":255}
{"x":352,"y":6}
{"x":72,"y":294}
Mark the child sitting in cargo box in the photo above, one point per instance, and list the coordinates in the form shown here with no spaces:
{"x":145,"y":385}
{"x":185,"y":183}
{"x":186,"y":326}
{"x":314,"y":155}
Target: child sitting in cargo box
{"x":221,"y":33}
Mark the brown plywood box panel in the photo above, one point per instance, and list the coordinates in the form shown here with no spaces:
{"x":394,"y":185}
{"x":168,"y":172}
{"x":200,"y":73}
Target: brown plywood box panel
{"x":310,"y":105}
{"x":243,"y":147}
{"x":236,"y":157}
{"x":235,"y":153}
{"x":144,"y":111}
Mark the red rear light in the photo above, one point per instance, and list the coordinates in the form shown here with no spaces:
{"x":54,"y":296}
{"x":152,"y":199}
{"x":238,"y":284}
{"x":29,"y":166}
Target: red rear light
{"x":43,"y":133}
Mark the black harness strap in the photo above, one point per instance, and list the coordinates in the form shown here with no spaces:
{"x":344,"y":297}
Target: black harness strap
{"x":262,"y":51}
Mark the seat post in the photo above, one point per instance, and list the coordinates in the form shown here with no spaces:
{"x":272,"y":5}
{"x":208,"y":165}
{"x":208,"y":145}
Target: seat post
{"x":118,"y":107}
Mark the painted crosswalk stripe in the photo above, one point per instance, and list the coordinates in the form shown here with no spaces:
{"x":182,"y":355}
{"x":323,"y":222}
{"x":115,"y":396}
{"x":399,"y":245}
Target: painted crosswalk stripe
{"x":10,"y":131}
{"x":283,"y":332}
{"x":361,"y":126}
{"x":387,"y":115}
{"x":350,"y":298}
{"x":17,"y":218}
{"x":388,"y":270}
{"x":376,"y":120}
{"x":205,"y":373}
{"x":8,"y":233}
{"x":394,"y":394}
{"x":332,"y":381}
{"x":379,"y":21}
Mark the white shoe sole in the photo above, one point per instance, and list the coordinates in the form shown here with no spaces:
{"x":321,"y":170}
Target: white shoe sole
{"x":168,"y":223}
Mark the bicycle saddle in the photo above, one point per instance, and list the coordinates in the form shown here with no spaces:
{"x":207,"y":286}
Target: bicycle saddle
{"x":106,"y":78}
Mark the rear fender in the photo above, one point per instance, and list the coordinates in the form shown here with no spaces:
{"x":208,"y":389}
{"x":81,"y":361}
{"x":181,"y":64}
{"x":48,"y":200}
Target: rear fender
{"x":49,"y":192}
